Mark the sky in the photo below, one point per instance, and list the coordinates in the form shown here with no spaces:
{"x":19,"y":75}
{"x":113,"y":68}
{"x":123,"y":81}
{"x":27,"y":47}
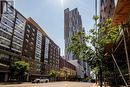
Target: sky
{"x":49,"y":14}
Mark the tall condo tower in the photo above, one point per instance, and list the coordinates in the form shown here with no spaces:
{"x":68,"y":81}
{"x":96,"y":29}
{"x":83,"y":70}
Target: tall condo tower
{"x":72,"y":24}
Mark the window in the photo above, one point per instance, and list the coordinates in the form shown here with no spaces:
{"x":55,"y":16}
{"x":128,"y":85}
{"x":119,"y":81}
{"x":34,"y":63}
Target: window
{"x":4,"y":42}
{"x":6,"y":28}
{"x":18,"y":35}
{"x":18,"y":41}
{"x":32,"y":39}
{"x":37,"y":59}
{"x":20,"y":18}
{"x":17,"y":21}
{"x":28,"y":31}
{"x":29,"y":26}
{"x":17,"y":47}
{"x":113,"y":1}
{"x":38,"y":66}
{"x":6,"y":22}
{"x":33,"y":29}
{"x":19,"y":26}
{"x":10,"y":8}
{"x":31,"y":43}
{"x":9,"y":17}
{"x":27,"y":35}
{"x":37,"y":55}
{"x":33,"y":34}
{"x":4,"y":56}
{"x":26,"y":40}
{"x":31,"y":48}
{"x":5,"y":35}
{"x":19,"y":31}
{"x":25,"y":50}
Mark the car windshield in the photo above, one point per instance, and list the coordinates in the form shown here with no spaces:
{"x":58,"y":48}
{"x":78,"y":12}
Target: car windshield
{"x":43,"y":78}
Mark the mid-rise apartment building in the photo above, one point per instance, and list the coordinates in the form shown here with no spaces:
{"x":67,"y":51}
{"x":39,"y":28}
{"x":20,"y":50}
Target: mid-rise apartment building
{"x":67,"y":70}
{"x":54,"y":55}
{"x":23,"y":39}
{"x":12,"y":28}
{"x":30,"y":47}
{"x":51,"y":56}
{"x":45,"y":53}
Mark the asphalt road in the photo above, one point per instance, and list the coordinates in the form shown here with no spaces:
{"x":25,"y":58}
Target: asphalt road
{"x":53,"y":84}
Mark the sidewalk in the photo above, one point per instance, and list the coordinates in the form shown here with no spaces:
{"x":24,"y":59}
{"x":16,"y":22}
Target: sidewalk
{"x":95,"y":85}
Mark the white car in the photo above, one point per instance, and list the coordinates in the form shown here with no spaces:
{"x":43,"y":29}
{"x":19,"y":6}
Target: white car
{"x":40,"y":80}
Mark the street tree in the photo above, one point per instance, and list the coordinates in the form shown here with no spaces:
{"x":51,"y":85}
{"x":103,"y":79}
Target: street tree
{"x":18,"y":69}
{"x":96,"y":40}
{"x":53,"y":74}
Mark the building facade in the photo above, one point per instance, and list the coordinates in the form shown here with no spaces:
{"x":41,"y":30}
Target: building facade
{"x":51,"y":56}
{"x":12,"y":29}
{"x":32,"y":47}
{"x":29,"y":40}
{"x":106,"y":9}
{"x":67,"y":70}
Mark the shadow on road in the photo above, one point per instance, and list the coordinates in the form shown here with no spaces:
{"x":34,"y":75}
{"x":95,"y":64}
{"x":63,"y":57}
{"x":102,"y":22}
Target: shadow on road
{"x":9,"y":83}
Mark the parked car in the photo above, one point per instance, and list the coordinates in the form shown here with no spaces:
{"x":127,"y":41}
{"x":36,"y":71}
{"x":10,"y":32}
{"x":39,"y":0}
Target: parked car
{"x":40,"y":80}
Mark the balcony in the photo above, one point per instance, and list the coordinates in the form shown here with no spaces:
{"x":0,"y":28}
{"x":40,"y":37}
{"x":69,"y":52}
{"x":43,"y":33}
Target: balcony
{"x":4,"y":60}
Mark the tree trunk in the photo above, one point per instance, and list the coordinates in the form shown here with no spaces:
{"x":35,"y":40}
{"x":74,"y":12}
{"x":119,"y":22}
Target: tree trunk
{"x":100,"y":73}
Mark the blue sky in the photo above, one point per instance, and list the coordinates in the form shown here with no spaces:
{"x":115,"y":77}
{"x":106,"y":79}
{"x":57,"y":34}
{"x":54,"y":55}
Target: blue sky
{"x":49,"y":14}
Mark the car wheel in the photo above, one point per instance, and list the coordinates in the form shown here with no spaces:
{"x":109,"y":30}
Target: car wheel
{"x":46,"y":81}
{"x":38,"y":81}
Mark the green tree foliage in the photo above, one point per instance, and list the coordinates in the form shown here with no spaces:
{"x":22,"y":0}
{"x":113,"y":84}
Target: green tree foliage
{"x":107,"y":32}
{"x":93,"y":51}
{"x":18,"y":69}
{"x":53,"y":74}
{"x":77,"y":47}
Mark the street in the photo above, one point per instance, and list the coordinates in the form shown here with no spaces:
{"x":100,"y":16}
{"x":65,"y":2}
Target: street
{"x":53,"y":84}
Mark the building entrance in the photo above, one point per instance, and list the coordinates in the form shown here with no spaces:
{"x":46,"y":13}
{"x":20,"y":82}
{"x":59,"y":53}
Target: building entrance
{"x":2,"y":76}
